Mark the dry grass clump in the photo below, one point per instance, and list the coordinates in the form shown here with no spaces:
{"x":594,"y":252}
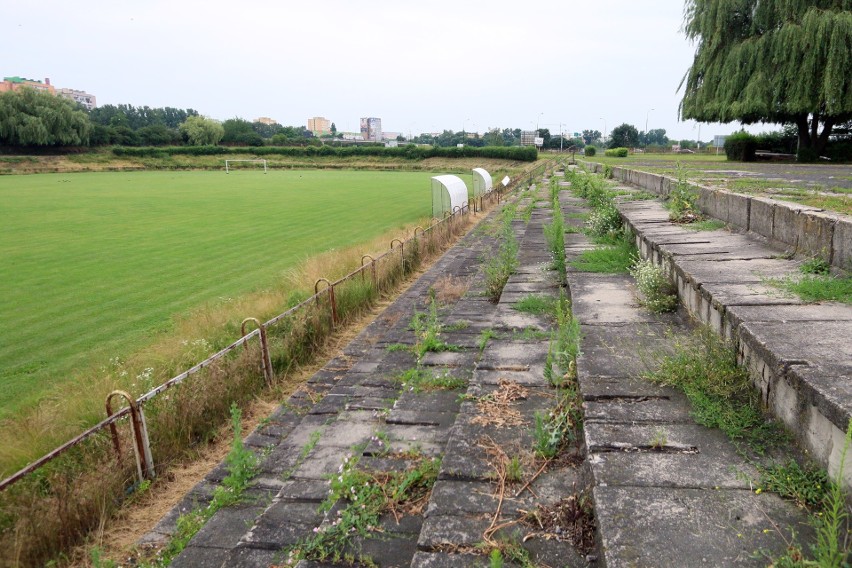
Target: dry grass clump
{"x":449,"y":288}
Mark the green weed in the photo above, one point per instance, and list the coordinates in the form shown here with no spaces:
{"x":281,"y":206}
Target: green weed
{"x":816,"y":265}
{"x":817,"y":288}
{"x":658,"y":293}
{"x":614,"y":258}
{"x":242,"y":466}
{"x":706,"y":225}
{"x":423,"y":380}
{"x":705,"y":368}
{"x":427,"y":329}
{"x":503,"y":264}
{"x":535,"y":304}
{"x":682,"y":199}
{"x":362,"y":497}
{"x":484,"y":336}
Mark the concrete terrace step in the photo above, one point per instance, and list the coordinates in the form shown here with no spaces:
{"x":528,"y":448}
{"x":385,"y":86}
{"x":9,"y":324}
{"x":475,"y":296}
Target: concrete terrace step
{"x":799,"y":355}
{"x":667,"y":491}
{"x":354,"y":397}
{"x":689,"y":505}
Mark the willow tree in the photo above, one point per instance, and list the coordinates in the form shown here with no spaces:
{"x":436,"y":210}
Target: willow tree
{"x":35,"y":118}
{"x":776,"y":61}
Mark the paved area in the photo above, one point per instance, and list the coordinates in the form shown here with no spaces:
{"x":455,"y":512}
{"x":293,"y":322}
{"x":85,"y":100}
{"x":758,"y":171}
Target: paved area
{"x":684,"y":502}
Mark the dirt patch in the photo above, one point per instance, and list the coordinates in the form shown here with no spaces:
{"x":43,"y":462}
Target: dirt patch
{"x":570,"y":520}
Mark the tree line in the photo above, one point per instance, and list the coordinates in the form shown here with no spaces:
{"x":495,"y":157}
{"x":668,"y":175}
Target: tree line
{"x":31,"y":118}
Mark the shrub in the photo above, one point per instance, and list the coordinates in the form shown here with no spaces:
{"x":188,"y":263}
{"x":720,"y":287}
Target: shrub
{"x":616,"y":152}
{"x":741,"y":147}
{"x":590,"y":150}
{"x":658,"y":293}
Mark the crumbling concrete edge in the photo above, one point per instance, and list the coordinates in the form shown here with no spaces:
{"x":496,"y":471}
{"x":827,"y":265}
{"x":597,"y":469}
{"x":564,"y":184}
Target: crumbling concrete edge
{"x":803,"y":230}
{"x":804,"y":397}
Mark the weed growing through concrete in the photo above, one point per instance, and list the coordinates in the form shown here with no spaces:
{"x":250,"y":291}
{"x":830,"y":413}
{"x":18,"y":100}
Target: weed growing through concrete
{"x":356,"y":504}
{"x":484,"y":337}
{"x":829,"y":516}
{"x":816,"y":265}
{"x":503,"y":264}
{"x":427,"y":329}
{"x":423,"y":380}
{"x":704,"y":367}
{"x":535,"y":304}
{"x":818,"y":288}
{"x":706,"y":225}
{"x":614,"y":255}
{"x":682,"y":200}
{"x":658,"y":293}
{"x":242,"y":466}
{"x":554,"y":233}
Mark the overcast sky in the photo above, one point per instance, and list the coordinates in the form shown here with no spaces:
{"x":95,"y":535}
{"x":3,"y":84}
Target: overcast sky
{"x":420,"y":67}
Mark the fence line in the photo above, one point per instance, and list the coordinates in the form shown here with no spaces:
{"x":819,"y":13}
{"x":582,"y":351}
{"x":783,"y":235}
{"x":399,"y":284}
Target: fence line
{"x":143,"y":452}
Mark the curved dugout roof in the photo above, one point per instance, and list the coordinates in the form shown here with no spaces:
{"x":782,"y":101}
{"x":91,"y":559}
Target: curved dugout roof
{"x":482,"y":182}
{"x":448,"y":192}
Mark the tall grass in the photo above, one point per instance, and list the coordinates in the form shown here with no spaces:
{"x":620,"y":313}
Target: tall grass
{"x":505,"y":261}
{"x":554,"y":233}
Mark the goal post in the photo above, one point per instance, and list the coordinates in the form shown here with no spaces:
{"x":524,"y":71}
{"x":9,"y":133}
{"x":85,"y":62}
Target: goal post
{"x":228,"y":163}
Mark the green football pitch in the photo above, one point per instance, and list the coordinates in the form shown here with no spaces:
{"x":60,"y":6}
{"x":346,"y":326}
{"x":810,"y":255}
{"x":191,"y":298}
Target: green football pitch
{"x":93,"y":265}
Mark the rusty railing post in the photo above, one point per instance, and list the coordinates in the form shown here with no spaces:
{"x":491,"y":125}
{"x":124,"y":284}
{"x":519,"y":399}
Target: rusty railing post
{"x":141,"y":445}
{"x":265,"y":361}
{"x":373,"y":269}
{"x":331,"y":300}
{"x":402,"y":252}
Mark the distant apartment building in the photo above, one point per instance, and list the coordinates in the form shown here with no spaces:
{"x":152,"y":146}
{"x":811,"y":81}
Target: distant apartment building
{"x":15,"y":83}
{"x":319,"y":125}
{"x":266,"y":120}
{"x":391,"y":135}
{"x":371,"y":129}
{"x":81,"y":97}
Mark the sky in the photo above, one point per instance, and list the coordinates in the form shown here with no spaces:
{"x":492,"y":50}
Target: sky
{"x":565,"y":65}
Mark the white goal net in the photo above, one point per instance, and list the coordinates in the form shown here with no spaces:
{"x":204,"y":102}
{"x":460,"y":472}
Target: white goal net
{"x":230,"y":165}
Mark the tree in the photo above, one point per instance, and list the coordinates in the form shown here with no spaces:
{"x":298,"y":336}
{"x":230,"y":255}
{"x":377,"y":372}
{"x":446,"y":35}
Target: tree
{"x":333,"y":129}
{"x":240,"y":132}
{"x":33,"y":118}
{"x":624,"y":136}
{"x":777,"y":61}
{"x":200,"y":130}
{"x":591,"y":136}
{"x":493,"y":138}
{"x":157,"y":135}
{"x":655,"y":137}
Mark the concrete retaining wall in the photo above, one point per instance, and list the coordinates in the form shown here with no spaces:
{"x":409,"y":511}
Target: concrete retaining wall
{"x":800,"y":229}
{"x":798,"y":355}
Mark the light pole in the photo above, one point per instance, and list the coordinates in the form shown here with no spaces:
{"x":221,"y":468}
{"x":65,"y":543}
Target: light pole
{"x":604,"y":138}
{"x":646,"y":127}
{"x":537,"y":121}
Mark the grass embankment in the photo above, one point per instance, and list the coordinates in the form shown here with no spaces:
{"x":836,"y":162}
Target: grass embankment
{"x":103,"y":160}
{"x":826,"y":186}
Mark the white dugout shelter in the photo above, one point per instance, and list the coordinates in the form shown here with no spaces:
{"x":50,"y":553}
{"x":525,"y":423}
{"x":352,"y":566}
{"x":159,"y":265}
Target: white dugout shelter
{"x":448,"y":192}
{"x":482,"y":182}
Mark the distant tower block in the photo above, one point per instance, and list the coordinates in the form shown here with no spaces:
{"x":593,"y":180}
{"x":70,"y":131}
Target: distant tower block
{"x":482,"y":183}
{"x":448,"y":192}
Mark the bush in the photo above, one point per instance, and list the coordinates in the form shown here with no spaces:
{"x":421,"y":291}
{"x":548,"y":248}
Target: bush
{"x":590,"y":150}
{"x":658,"y":293}
{"x":410,"y":151}
{"x":741,"y":147}
{"x":839,"y":151}
{"x":617,"y":152}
